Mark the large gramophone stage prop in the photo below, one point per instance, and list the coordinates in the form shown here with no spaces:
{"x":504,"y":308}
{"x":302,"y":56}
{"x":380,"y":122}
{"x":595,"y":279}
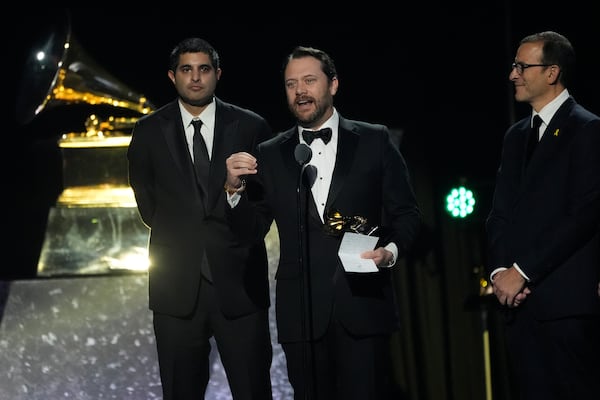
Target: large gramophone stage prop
{"x":94,"y":227}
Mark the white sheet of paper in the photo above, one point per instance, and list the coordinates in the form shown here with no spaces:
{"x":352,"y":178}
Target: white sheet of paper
{"x":353,"y":244}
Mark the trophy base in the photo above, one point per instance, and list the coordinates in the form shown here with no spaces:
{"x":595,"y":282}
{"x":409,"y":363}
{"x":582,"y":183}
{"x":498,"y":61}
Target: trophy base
{"x":92,"y":240}
{"x":94,"y":227}
{"x":103,"y":195}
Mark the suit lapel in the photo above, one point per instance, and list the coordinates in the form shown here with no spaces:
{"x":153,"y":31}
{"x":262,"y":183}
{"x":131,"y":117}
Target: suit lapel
{"x":553,"y":137}
{"x":346,"y":151}
{"x":288,"y":146}
{"x":174,"y":134}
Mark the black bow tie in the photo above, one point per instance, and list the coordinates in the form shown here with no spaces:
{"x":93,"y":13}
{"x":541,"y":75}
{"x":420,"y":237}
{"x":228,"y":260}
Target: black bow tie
{"x":324,"y":134}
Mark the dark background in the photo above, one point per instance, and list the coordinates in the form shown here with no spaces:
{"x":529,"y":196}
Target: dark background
{"x":436,"y":71}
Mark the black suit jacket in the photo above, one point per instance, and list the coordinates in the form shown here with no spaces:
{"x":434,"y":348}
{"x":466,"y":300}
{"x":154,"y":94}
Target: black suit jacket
{"x":546,"y":216}
{"x":370,"y":179}
{"x":183,"y":227}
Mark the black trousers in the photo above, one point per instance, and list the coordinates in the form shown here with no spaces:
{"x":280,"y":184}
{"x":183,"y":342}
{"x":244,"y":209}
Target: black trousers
{"x":183,"y":348}
{"x":554,"y":360}
{"x":340,"y":366}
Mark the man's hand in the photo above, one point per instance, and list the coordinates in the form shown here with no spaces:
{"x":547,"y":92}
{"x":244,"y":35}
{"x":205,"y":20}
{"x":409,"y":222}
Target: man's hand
{"x":380,"y":256}
{"x":520,"y":297}
{"x":509,"y":287}
{"x":239,"y":165}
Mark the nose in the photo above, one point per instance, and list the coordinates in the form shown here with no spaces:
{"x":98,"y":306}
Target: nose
{"x":300,"y":88}
{"x":196,"y":74}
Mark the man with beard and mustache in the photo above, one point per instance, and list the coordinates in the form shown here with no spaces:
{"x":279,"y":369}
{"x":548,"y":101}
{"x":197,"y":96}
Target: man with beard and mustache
{"x":203,"y":283}
{"x":334,"y":326}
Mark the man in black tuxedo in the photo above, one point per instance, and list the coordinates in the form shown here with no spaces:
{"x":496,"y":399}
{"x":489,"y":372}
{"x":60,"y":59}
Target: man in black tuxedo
{"x":334,"y":326}
{"x":544,"y":241}
{"x":202,"y":281}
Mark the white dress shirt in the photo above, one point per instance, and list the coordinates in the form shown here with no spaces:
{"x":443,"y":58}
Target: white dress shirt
{"x":208,"y":127}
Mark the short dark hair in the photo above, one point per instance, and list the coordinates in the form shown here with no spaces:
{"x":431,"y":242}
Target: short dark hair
{"x":327,"y":64}
{"x":193,"y":45}
{"x":558,"y":50}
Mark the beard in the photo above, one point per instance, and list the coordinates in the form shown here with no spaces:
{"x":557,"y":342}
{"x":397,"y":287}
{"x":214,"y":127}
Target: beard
{"x":312,"y":119}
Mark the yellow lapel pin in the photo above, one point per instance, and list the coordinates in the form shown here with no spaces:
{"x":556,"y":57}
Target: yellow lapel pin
{"x":556,"y":132}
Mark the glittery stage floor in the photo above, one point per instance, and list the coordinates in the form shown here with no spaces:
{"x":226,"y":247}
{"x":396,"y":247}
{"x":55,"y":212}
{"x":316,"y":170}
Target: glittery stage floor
{"x":90,"y":338}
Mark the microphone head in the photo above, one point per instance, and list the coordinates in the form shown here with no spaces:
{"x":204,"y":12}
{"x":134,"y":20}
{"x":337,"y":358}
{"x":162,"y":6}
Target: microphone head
{"x":303,"y":153}
{"x":310,"y":175}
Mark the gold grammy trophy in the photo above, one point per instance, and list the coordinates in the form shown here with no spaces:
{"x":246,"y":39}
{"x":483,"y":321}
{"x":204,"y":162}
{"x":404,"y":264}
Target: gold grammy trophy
{"x":94,"y":227}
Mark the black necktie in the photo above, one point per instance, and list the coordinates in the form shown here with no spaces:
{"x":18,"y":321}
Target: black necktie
{"x":324,"y":134}
{"x":201,"y":159}
{"x":534,"y":136}
{"x":202,"y":167}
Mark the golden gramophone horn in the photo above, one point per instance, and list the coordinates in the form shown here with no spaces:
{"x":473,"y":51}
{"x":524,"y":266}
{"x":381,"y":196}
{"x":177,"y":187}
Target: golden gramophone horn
{"x":59,"y":72}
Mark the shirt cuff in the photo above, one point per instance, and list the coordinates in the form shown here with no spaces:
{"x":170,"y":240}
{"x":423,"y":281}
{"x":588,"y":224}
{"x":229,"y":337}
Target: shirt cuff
{"x":394,"y":249}
{"x":494,"y":272}
{"x":233,"y":199}
{"x":521,"y":272}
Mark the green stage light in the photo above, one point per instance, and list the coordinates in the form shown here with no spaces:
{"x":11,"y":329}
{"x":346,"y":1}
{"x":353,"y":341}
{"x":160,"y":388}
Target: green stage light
{"x":460,"y":202}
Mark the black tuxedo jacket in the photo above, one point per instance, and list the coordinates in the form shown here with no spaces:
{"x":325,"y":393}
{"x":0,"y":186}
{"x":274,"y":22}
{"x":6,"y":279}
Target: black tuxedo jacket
{"x":183,"y":226}
{"x":371,"y":180}
{"x":546,"y":215}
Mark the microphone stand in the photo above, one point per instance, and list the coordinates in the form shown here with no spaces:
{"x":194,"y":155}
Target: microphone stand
{"x":303,"y":155}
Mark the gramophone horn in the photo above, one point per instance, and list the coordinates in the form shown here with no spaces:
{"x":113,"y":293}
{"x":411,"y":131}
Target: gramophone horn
{"x":59,"y":72}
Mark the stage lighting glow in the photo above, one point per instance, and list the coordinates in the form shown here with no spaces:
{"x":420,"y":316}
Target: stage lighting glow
{"x":460,"y":202}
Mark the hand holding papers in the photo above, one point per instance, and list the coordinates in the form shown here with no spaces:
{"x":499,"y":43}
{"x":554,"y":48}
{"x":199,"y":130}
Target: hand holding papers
{"x":353,"y":244}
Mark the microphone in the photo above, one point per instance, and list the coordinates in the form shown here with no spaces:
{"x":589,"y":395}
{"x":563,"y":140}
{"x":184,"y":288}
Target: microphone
{"x":303,"y":153}
{"x":310,"y":175}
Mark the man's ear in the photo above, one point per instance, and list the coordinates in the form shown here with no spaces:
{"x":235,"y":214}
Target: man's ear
{"x":333,"y":86}
{"x":553,"y":74}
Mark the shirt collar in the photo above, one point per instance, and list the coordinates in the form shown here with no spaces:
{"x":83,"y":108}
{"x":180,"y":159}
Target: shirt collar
{"x":207,"y":116}
{"x":550,"y":109}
